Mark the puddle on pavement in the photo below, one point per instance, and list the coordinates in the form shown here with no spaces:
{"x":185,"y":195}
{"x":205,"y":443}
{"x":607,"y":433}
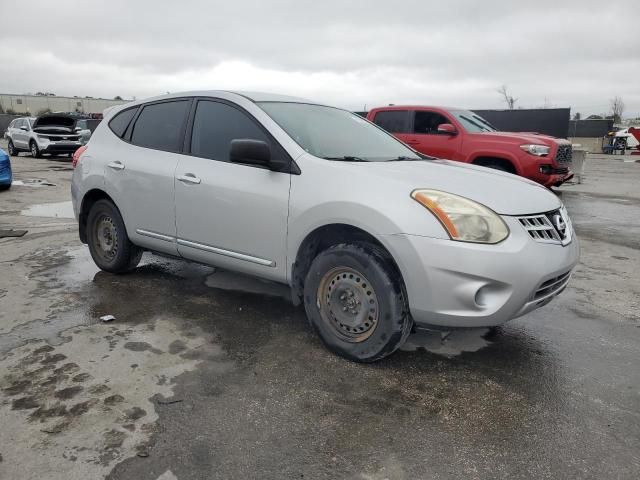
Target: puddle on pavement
{"x":243,"y":283}
{"x":448,"y":344}
{"x":53,"y":210}
{"x":32,"y":182}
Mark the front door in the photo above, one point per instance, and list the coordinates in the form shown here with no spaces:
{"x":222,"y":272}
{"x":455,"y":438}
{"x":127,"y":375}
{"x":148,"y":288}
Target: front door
{"x":424,"y":136}
{"x":19,"y":136}
{"x":228,"y":214}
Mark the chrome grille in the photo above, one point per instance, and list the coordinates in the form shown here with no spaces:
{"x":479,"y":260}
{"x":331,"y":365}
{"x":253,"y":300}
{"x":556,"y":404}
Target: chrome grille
{"x":564,"y":154}
{"x":552,"y":227}
{"x":552,"y":286}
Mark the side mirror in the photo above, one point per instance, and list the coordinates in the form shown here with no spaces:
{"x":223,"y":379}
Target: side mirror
{"x":24,"y":128}
{"x":447,"y":129}
{"x":77,"y":129}
{"x":252,"y":152}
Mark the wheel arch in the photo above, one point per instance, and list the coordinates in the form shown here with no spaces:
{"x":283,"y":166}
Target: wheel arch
{"x":88,"y":200}
{"x":486,"y":159}
{"x":325,"y":236}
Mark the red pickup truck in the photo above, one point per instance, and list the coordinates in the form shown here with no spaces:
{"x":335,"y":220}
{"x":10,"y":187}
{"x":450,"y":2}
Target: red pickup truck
{"x":464,"y":136}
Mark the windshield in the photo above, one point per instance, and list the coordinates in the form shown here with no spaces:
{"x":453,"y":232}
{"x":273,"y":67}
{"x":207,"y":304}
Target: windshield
{"x":472,"y":122}
{"x":335,"y":134}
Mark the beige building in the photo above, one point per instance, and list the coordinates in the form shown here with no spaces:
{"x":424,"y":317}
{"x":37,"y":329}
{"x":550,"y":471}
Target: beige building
{"x":33,"y":104}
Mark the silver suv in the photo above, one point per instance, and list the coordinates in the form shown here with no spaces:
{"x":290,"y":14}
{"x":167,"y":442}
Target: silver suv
{"x":54,"y":134}
{"x":371,"y":237}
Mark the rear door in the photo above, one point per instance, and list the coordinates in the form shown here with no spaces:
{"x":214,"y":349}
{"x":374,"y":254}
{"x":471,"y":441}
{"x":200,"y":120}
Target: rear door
{"x":140,"y":171}
{"x":229,"y":214}
{"x":424,"y":136}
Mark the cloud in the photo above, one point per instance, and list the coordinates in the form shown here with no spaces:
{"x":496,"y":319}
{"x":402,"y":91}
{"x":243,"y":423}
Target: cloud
{"x":574,"y":53}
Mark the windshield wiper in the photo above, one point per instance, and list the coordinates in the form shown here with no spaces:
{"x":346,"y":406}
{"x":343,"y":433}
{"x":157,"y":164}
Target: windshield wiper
{"x":346,"y":158}
{"x":402,"y":158}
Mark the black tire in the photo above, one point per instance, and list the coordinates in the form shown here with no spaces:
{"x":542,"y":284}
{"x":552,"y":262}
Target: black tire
{"x":496,"y":166}
{"x":108,"y":241}
{"x":35,"y":151}
{"x":362,"y":271}
{"x":11,"y":149}
{"x":5,"y":187}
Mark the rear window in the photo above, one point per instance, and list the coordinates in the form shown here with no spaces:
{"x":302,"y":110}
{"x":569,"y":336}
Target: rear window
{"x":120,"y":122}
{"x":159,"y":126}
{"x":393,"y":121}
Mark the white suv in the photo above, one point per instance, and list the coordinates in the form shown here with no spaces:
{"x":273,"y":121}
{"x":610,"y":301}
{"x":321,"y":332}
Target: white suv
{"x":371,"y":237}
{"x":54,"y":134}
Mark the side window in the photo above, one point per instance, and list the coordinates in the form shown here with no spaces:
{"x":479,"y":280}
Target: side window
{"x":13,"y":124}
{"x":393,"y":121}
{"x":159,"y":126}
{"x":20,"y":123}
{"x":214,"y":126}
{"x":120,"y":122}
{"x":427,"y":122}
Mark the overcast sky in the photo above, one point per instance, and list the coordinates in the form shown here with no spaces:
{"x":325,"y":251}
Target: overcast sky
{"x":350,"y":53}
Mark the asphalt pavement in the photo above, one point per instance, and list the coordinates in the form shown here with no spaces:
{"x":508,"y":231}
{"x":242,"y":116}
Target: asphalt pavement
{"x":204,"y":374}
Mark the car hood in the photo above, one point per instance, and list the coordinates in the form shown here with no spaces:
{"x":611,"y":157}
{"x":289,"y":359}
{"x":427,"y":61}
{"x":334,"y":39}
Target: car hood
{"x":54,"y":124}
{"x":521,"y":138}
{"x":502,"y":192}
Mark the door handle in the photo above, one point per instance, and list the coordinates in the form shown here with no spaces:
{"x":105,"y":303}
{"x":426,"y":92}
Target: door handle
{"x":117,"y":165}
{"x":189,"y":178}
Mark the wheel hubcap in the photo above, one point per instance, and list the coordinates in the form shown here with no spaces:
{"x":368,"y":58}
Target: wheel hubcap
{"x":106,"y":237}
{"x":348,"y":303}
{"x":34,"y":150}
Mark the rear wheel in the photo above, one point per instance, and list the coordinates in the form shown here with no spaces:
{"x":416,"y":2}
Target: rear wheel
{"x":11,"y":149}
{"x":108,"y":241}
{"x":355,"y":301}
{"x":35,"y":151}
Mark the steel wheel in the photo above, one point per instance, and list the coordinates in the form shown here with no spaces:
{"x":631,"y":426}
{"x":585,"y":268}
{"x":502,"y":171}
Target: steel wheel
{"x":106,"y":238}
{"x":348,"y":303}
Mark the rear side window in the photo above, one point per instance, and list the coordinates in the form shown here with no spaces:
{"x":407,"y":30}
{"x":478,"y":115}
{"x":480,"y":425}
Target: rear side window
{"x":159,"y":126}
{"x":120,"y":122}
{"x":216,"y":124}
{"x":393,"y":121}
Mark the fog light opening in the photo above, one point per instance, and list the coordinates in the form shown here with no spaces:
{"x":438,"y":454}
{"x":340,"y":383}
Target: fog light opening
{"x":481,"y":296}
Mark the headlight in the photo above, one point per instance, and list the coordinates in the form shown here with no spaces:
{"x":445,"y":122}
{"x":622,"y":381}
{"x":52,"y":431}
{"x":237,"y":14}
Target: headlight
{"x":463,"y":219}
{"x":537,"y":150}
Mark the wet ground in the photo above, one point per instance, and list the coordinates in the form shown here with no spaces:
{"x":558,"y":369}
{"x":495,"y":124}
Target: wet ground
{"x":205,"y":374}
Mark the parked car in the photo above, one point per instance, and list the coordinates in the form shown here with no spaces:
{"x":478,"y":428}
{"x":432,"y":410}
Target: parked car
{"x":6,"y":176}
{"x":85,"y":127}
{"x":371,"y":237}
{"x":48,"y":134}
{"x":464,"y":136}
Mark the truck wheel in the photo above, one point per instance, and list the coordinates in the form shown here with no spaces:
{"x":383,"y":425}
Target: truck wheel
{"x":355,"y":302}
{"x":108,"y":241}
{"x":496,"y":166}
{"x":11,"y":149}
{"x":35,"y":151}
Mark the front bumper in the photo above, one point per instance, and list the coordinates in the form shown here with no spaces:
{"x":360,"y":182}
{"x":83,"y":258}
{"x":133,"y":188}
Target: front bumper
{"x":456,"y":284}
{"x":59,"y":147}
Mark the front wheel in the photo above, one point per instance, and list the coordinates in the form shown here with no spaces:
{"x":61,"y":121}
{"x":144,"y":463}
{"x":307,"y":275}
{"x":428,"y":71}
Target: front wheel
{"x":355,"y":301}
{"x":108,"y":241}
{"x":35,"y":151}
